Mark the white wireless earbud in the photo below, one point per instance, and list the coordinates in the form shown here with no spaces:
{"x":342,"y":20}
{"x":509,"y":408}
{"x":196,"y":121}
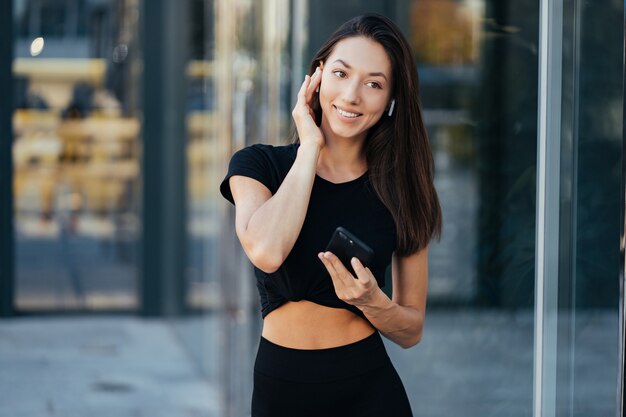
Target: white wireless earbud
{"x":393,"y":103}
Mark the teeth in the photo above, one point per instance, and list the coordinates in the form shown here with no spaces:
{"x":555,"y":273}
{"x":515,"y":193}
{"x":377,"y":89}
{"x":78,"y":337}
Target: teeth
{"x":346,"y":113}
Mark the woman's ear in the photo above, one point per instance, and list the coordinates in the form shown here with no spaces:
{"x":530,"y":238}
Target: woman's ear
{"x":321,"y":65}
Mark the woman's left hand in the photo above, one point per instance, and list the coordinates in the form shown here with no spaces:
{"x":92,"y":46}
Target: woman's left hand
{"x":356,"y":291}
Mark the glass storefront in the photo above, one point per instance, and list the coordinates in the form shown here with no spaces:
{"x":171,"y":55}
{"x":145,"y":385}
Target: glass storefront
{"x":587,"y":356}
{"x":478,"y":80}
{"x":523,"y":294}
{"x":242,"y":53}
{"x":76,"y":154}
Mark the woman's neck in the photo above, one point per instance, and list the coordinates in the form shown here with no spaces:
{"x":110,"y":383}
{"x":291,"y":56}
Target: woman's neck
{"x":342,"y":157}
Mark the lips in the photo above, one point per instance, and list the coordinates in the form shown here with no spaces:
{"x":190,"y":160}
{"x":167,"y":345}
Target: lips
{"x":347,"y":114}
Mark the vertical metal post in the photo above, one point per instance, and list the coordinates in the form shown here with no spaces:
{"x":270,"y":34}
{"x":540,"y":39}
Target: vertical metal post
{"x":164,"y":40}
{"x":621,"y":382}
{"x":548,"y":186}
{"x":275,"y":31}
{"x":568,"y":203}
{"x":299,"y":42}
{"x":225,"y":21}
{"x":7,"y":233}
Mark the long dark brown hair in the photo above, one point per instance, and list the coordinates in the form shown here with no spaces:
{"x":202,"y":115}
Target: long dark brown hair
{"x":399,"y":158}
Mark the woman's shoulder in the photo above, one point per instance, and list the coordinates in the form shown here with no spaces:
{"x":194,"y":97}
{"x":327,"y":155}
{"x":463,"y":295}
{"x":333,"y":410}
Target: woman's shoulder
{"x":274,"y":149}
{"x":279,"y":155}
{"x":267,"y":164}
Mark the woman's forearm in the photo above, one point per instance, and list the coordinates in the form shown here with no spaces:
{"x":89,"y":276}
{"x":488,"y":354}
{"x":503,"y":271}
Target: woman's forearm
{"x":274,"y":227}
{"x":403,"y":325}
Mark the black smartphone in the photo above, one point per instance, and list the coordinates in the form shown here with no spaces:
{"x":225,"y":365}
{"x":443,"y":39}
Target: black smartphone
{"x":345,"y":246}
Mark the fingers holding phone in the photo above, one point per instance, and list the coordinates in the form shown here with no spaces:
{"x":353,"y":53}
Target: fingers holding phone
{"x":356,"y":288}
{"x":346,"y":246}
{"x":346,"y":259}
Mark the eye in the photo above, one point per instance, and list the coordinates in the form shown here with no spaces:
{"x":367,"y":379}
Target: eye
{"x":374,"y":84}
{"x":339,"y":73}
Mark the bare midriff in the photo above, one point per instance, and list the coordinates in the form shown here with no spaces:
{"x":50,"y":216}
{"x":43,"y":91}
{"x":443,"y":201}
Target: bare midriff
{"x":306,"y":325}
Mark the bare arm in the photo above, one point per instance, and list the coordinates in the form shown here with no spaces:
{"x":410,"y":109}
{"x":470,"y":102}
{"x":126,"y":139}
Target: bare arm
{"x":400,"y":319}
{"x":267,"y":225}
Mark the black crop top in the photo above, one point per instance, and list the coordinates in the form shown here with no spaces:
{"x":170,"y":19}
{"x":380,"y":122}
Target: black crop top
{"x":352,"y":204}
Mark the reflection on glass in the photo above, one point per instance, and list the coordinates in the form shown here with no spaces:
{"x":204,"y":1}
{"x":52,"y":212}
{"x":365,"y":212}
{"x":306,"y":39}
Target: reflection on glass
{"x":237,"y":80}
{"x":477,"y":64}
{"x":591,"y":155}
{"x":199,"y":331}
{"x":446,"y":42}
{"x":75,"y":155}
{"x":202,"y":291}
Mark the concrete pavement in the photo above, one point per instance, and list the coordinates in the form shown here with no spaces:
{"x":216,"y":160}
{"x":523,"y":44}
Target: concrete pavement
{"x":470,"y":363}
{"x":98,"y":366}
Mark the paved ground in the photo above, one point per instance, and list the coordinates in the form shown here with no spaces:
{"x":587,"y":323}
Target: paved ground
{"x":480,"y":364}
{"x":470,"y":364}
{"x":111,"y":366}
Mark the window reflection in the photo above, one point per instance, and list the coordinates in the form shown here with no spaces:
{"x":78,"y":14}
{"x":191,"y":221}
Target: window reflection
{"x":202,"y":227}
{"x":477,"y":65}
{"x":75,"y":154}
{"x":446,"y":38}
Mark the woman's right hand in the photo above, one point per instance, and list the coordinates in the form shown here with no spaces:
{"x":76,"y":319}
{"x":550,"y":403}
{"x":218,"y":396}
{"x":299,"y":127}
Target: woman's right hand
{"x":302,"y":113}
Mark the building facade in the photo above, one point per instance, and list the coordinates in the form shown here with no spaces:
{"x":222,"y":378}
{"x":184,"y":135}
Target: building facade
{"x":123,"y":115}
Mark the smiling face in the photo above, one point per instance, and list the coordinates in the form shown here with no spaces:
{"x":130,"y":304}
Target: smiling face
{"x":355,"y":88}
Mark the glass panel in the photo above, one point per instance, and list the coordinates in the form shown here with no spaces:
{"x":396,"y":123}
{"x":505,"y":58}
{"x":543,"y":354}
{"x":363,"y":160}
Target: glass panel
{"x":591,"y":175}
{"x":202,"y":224}
{"x":199,"y":329}
{"x":76,"y":154}
{"x":477,"y":63}
{"x":238,"y":73}
{"x":478,"y":71}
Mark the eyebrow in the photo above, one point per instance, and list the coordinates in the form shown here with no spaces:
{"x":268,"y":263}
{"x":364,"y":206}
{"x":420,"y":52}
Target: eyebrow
{"x":375,"y":74}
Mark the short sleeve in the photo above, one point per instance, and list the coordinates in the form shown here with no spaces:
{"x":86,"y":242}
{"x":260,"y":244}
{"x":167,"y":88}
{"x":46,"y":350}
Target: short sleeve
{"x":253,"y":162}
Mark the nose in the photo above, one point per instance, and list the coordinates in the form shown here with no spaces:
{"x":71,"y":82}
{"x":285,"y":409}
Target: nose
{"x":351,"y":94}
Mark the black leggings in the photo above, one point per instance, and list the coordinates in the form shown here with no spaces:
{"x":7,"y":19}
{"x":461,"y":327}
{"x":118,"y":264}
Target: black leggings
{"x":352,"y":380}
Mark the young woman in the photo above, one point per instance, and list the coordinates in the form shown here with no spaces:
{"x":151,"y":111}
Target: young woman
{"x":360,"y":160}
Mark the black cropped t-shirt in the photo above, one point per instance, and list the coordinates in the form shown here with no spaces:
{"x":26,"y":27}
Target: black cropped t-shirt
{"x":352,"y":204}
